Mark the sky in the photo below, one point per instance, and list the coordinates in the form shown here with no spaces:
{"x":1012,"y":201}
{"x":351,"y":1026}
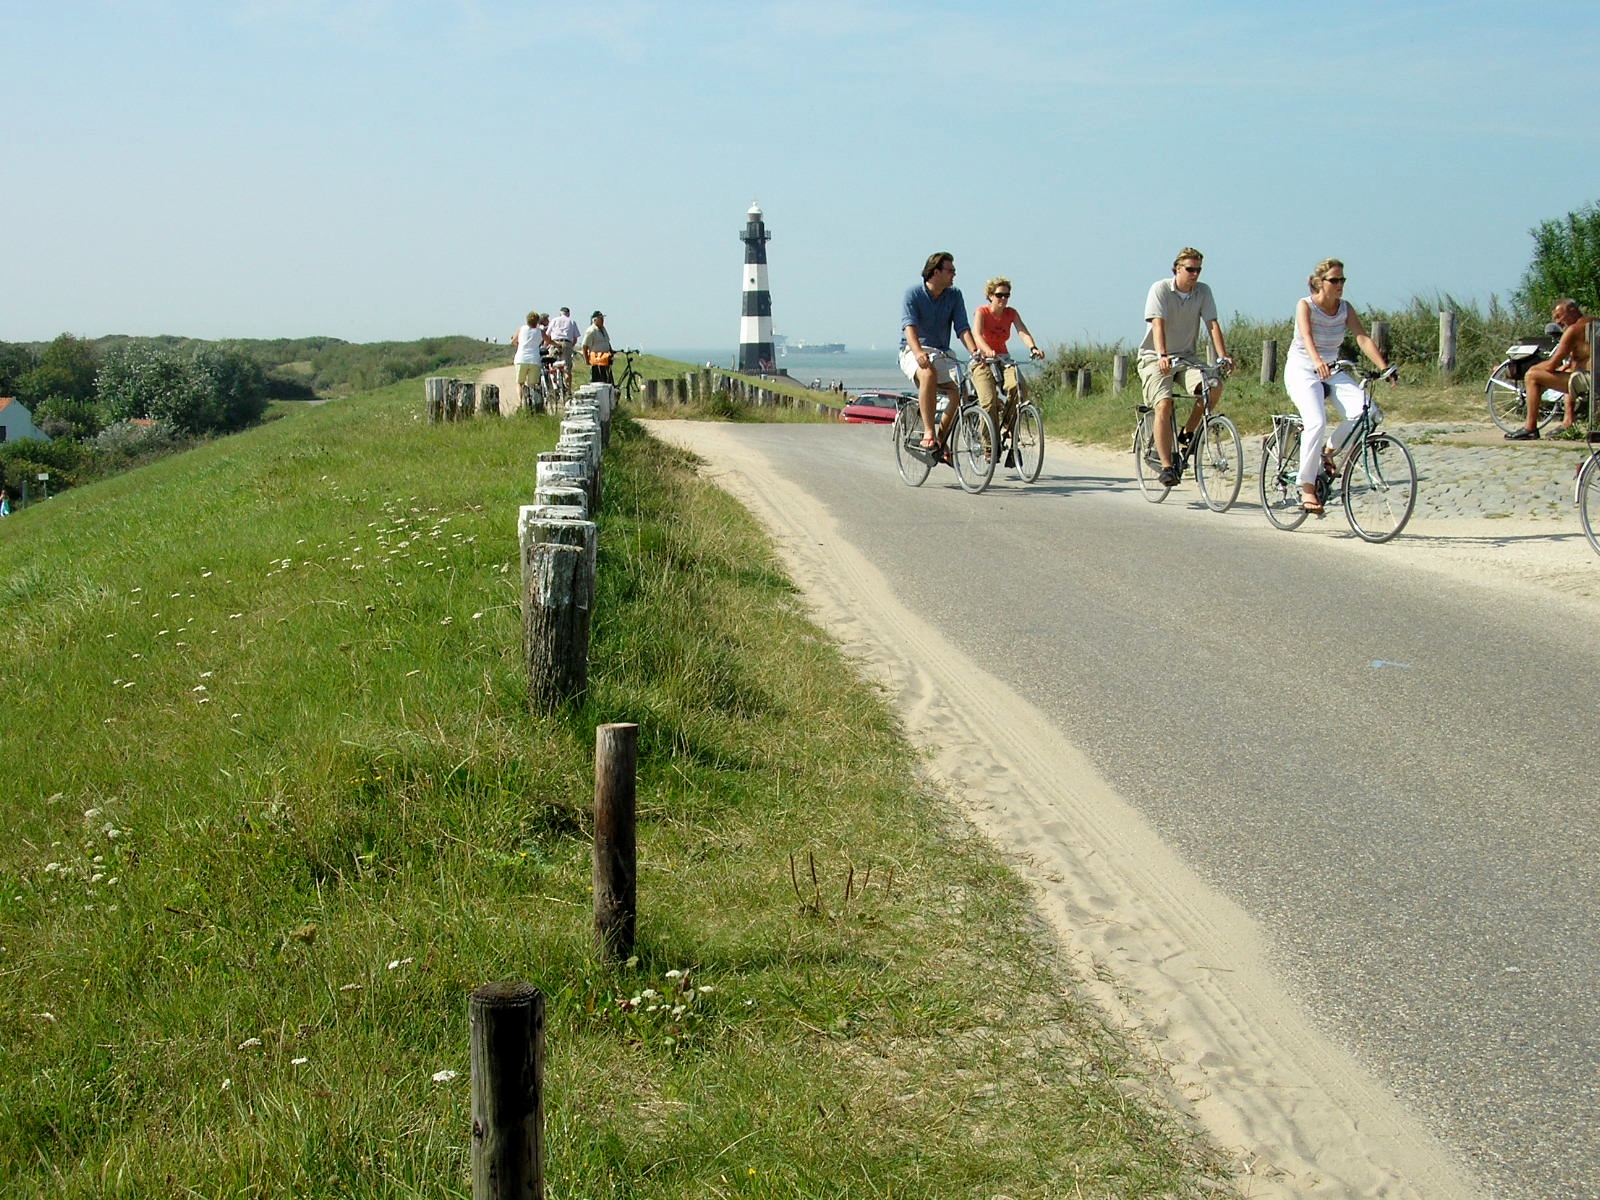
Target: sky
{"x":391,"y":169}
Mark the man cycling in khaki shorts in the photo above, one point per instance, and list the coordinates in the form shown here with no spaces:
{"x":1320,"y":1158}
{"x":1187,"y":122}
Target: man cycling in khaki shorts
{"x":1174,"y":311}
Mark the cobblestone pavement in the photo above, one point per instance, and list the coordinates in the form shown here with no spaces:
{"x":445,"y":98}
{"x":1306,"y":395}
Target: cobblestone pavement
{"x":1466,"y":470}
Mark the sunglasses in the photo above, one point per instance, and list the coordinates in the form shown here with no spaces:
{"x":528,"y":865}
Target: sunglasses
{"x":1333,"y":279}
{"x":1002,"y":295}
{"x":1190,"y":270}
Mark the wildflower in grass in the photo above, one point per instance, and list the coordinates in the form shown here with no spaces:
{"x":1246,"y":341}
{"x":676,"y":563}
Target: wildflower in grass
{"x":298,"y":1062}
{"x":226,"y":1084}
{"x":249,"y":1043}
{"x":444,"y":1076}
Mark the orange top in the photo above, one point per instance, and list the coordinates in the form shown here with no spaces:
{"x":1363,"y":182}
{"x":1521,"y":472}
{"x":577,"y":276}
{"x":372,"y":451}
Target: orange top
{"x":994,"y":328}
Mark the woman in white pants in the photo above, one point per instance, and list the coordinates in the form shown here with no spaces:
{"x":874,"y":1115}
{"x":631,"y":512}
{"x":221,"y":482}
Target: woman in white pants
{"x":1321,"y":321}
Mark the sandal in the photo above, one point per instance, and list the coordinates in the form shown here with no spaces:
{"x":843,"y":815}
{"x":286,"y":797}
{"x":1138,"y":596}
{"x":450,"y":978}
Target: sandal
{"x":1311,"y":505}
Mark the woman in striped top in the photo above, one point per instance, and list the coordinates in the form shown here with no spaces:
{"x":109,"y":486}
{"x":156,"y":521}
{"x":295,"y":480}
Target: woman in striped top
{"x":1321,"y":321}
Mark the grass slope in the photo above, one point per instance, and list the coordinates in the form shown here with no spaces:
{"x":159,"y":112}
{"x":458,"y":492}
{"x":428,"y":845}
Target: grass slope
{"x":276,"y":805}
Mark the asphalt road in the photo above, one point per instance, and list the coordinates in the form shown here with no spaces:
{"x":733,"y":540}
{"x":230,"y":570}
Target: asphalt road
{"x":1390,"y":772}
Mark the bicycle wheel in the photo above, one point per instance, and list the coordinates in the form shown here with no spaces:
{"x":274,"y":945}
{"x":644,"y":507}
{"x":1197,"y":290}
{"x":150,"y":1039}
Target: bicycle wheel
{"x":1589,"y":500}
{"x":913,"y":467}
{"x":1508,"y":405}
{"x":972,"y":443}
{"x":1027,"y":443}
{"x":1146,"y":461}
{"x":1219,"y":462}
{"x":1380,"y":488}
{"x":1278,"y":487}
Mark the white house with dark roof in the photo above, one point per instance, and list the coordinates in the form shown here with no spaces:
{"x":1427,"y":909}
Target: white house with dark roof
{"x":16,"y":422}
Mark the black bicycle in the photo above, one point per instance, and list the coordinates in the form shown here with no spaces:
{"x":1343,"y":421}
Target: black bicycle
{"x":627,"y":384}
{"x":1021,"y":444}
{"x":969,"y":446}
{"x":1215,"y":449}
{"x":1377,"y":483}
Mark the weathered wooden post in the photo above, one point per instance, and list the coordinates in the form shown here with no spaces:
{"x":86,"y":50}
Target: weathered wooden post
{"x":433,"y":397}
{"x":1269,"y":361}
{"x":616,"y":874}
{"x":1119,"y":373}
{"x":1380,"y":338}
{"x":507,"y":1021}
{"x":562,"y":494}
{"x":1085,"y":382}
{"x":489,"y":393}
{"x":558,"y":560}
{"x":569,"y":468}
{"x":1447,"y":342}
{"x":460,"y":399}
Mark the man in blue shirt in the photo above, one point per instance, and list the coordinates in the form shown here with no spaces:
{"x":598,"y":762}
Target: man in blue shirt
{"x":932,"y":310}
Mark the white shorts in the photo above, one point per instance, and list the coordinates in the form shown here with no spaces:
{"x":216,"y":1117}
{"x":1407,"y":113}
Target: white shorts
{"x":945,"y":367}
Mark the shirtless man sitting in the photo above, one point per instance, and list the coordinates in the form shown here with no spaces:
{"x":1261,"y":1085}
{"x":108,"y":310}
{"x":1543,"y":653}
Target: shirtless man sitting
{"x":1571,"y":358}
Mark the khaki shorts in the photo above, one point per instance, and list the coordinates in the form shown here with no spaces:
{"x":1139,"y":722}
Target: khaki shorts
{"x":527,"y":373}
{"x":1188,"y":380}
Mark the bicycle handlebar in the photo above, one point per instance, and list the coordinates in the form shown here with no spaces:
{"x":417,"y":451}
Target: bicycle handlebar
{"x":1391,"y":372}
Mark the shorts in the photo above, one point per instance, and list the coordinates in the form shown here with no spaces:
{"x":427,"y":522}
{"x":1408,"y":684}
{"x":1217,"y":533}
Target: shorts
{"x":527,"y":373}
{"x":945,"y":367}
{"x":1158,"y":387}
{"x":564,"y":353}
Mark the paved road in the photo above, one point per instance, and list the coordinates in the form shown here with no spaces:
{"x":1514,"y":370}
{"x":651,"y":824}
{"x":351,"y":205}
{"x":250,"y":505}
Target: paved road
{"x":1388,"y":770}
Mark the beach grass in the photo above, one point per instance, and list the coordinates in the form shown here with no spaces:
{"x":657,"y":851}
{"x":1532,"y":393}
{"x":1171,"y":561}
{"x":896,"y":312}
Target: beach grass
{"x":276,"y":805}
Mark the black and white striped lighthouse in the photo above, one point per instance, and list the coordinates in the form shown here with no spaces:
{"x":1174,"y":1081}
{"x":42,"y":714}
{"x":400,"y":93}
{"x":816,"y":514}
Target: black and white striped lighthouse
{"x":755,"y":318}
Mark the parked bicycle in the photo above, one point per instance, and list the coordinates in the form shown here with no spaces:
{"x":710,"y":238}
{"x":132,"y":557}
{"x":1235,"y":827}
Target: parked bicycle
{"x":1376,"y":483}
{"x":627,"y":384}
{"x":1215,"y":450}
{"x":1507,"y":394}
{"x":969,"y":446}
{"x":556,"y":379}
{"x":1021,"y":444}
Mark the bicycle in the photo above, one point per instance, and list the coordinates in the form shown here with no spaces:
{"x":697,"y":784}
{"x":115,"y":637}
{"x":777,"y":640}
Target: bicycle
{"x":628,"y":385}
{"x":556,"y":377}
{"x":1021,"y":443}
{"x":1377,"y":484}
{"x":969,"y":446}
{"x":1507,"y":394}
{"x":1214,"y":449}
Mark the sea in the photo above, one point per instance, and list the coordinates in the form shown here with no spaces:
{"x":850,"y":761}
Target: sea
{"x":852,"y":370}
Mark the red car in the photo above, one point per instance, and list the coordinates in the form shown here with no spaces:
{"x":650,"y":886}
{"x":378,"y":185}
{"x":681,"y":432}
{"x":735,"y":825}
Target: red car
{"x":873,"y":408}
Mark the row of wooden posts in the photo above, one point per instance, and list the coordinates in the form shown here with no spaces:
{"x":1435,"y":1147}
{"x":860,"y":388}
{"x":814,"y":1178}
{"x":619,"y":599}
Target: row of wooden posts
{"x":557,"y":540}
{"x":699,"y":386}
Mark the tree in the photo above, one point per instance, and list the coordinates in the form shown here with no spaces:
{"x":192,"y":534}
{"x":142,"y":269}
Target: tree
{"x":1566,"y":262}
{"x":15,"y":362}
{"x":237,"y":384}
{"x":67,"y":367}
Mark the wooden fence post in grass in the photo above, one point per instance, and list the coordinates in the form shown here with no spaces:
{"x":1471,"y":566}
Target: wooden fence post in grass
{"x":558,"y":559}
{"x":556,"y":468}
{"x":1269,"y":361}
{"x":489,"y":393}
{"x":1119,"y":372}
{"x":562,"y":494}
{"x":507,"y":1022}
{"x":1380,"y":338}
{"x":1085,"y":382}
{"x":433,"y":397}
{"x":460,"y":399}
{"x":1447,"y":342}
{"x":616,"y":874}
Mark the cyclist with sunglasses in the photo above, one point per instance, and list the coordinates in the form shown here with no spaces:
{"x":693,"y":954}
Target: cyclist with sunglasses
{"x":1321,"y":321}
{"x":1174,"y":311}
{"x":992,"y":324}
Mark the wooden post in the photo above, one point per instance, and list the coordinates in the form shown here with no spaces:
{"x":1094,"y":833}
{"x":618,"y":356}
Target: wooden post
{"x":1119,"y":373}
{"x":558,"y":559}
{"x":567,"y":467}
{"x":433,"y":397}
{"x":490,"y":393}
{"x":460,"y":399}
{"x":507,"y":1022}
{"x":616,"y":874}
{"x":1085,"y":381}
{"x":647,"y":393}
{"x":1269,"y":361}
{"x":1380,"y":338}
{"x":1447,"y":342}
{"x":561,"y":494}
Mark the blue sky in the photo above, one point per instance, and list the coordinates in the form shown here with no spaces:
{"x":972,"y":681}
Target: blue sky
{"x":372,"y":169}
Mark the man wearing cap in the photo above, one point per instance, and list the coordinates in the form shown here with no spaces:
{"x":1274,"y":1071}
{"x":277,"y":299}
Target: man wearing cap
{"x":596,"y":347}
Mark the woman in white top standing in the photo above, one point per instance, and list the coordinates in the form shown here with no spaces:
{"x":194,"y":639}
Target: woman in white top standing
{"x":1321,"y":321}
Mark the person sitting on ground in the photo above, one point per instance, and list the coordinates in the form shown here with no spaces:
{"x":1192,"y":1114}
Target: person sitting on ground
{"x":1174,"y":311}
{"x":929,"y":313}
{"x":1567,"y":370}
{"x":1321,"y":321}
{"x":992,"y":325}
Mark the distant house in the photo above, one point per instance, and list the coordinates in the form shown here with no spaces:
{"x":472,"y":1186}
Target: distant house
{"x":16,"y":422}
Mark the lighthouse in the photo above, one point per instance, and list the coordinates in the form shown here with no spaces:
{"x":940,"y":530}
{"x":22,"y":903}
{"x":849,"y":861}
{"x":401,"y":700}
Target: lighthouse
{"x":755,"y":317}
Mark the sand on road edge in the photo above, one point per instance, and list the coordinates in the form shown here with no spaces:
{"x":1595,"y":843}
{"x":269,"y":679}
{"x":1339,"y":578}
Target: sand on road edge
{"x":1168,"y":958}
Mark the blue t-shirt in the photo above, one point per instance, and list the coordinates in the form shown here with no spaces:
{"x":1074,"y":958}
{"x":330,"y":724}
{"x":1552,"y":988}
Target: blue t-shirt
{"x":933,"y":317}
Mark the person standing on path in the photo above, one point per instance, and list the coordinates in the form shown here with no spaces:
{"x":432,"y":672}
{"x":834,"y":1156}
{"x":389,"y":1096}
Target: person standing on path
{"x":525,"y":345}
{"x":596,"y":347}
{"x":1174,"y":311}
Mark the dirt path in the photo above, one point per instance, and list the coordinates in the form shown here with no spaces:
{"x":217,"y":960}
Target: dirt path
{"x":1166,"y":956}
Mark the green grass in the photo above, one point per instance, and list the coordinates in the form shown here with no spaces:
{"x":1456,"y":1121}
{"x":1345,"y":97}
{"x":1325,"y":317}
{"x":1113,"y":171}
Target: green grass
{"x":275,"y":805}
